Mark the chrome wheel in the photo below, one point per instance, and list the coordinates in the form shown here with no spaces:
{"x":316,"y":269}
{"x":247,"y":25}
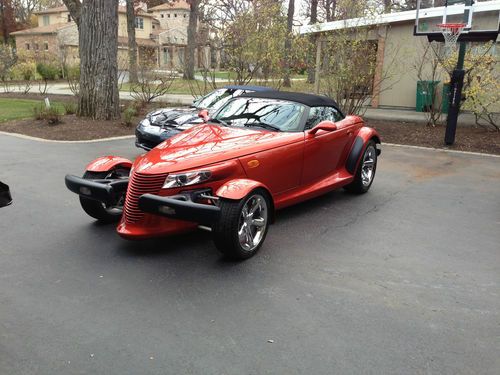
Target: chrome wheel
{"x":253,"y":222}
{"x":368,"y":165}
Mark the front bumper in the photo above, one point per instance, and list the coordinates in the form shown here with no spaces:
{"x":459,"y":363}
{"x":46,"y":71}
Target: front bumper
{"x":106,"y":191}
{"x":184,"y":206}
{"x":180,"y":207}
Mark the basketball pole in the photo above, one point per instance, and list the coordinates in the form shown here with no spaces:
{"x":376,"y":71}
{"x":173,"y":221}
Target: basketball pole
{"x":456,"y":86}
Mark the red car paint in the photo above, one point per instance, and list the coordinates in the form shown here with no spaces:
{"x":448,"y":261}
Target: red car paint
{"x":292,"y":167}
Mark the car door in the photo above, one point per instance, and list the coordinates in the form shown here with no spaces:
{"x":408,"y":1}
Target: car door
{"x":279,"y":168}
{"x":323,"y":150}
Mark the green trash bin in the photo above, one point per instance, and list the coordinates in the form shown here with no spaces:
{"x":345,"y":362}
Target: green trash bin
{"x":425,"y":95}
{"x":445,"y":98}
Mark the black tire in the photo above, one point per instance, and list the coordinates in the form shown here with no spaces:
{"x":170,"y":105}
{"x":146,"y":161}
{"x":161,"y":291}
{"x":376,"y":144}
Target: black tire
{"x":360,"y":185}
{"x":225,"y":231}
{"x":96,"y":209}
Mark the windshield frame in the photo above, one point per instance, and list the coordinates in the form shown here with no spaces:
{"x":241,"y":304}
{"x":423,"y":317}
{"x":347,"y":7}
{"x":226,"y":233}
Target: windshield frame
{"x":301,"y":122}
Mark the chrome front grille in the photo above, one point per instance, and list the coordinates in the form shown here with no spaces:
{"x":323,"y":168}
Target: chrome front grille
{"x":140,"y":184}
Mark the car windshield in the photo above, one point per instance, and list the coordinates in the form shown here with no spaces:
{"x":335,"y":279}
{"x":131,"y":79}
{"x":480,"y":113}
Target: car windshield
{"x":216,"y":99}
{"x":271,"y":114}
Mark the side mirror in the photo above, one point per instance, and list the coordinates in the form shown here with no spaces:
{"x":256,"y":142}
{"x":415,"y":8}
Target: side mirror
{"x":5,"y":197}
{"x":324,"y":125}
{"x":203,"y":114}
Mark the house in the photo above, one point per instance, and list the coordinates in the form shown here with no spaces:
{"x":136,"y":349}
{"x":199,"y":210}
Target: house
{"x":397,"y":49}
{"x":172,"y":35}
{"x":161,"y":35}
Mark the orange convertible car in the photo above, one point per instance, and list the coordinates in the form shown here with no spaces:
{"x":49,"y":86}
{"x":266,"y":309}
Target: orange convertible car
{"x":260,"y":152}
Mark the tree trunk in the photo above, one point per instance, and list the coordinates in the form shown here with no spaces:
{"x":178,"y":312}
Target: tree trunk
{"x":132,"y":43}
{"x":191,"y":42}
{"x":288,"y":43}
{"x":5,"y":19}
{"x":97,"y":22}
{"x":312,"y":41}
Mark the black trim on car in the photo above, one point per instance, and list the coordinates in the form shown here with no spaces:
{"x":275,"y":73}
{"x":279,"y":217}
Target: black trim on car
{"x":104,"y":191}
{"x":179,"y":207}
{"x":352,"y":159}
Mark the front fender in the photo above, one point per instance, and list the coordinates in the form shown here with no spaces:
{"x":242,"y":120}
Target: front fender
{"x":107,"y":163}
{"x":364,"y":135}
{"x":239,"y":188}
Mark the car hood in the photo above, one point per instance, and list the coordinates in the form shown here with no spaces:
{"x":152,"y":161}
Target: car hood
{"x":208,"y":144}
{"x":172,"y":117}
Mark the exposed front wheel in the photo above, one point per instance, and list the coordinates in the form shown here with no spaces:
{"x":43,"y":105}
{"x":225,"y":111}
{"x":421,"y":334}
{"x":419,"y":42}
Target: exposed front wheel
{"x":98,"y":210}
{"x":242,"y":226}
{"x":365,"y":173}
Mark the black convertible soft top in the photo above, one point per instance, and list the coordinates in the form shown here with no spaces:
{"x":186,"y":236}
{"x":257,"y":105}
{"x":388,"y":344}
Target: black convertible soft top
{"x":298,"y":97}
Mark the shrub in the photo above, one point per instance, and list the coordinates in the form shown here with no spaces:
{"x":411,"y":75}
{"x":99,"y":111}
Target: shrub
{"x":25,"y":71}
{"x":52,"y":115}
{"x":128,"y":115}
{"x":69,"y":108}
{"x":73,"y":78}
{"x":47,"y":71}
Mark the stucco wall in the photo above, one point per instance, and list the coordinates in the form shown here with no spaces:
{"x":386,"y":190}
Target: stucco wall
{"x":403,"y":52}
{"x":172,"y":18}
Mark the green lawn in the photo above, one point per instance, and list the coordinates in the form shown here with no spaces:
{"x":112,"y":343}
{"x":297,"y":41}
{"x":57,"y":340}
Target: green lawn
{"x":15,"y":109}
{"x":180,"y":86}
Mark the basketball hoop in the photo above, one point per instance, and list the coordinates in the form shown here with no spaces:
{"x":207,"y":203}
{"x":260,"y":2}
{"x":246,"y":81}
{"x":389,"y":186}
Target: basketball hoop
{"x":451,"y":32}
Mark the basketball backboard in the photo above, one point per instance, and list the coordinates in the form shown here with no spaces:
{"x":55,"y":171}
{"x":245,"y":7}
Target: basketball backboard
{"x":481,"y":23}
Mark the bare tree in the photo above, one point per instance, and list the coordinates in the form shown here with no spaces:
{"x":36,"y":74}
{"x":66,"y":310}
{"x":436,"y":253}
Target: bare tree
{"x":132,"y":43}
{"x":288,"y":42}
{"x":310,"y":56}
{"x":97,"y":23}
{"x":192,"y":40}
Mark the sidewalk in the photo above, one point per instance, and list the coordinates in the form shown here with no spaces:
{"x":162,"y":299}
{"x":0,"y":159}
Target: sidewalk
{"x":63,"y":89}
{"x":381,"y":114}
{"x":410,"y":116}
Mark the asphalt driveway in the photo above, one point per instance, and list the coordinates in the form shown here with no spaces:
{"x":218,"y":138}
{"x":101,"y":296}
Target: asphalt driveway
{"x":402,"y":280}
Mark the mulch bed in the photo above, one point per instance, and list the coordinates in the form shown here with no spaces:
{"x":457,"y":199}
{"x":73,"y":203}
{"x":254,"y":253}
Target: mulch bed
{"x":475,"y":139}
{"x":72,"y":128}
{"x":75,"y":128}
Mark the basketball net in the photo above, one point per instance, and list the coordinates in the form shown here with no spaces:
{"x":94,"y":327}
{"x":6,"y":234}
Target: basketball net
{"x":451,"y":32}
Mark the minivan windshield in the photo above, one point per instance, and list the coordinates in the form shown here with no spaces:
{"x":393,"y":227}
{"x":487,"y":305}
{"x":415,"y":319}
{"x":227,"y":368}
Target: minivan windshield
{"x":270,"y":114}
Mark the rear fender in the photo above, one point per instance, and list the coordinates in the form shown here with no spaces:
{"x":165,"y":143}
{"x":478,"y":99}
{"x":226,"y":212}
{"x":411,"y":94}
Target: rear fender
{"x":107,"y":163}
{"x":239,"y":188}
{"x":364,"y":135}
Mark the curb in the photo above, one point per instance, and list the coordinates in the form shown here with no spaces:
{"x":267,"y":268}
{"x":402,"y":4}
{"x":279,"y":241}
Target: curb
{"x":442,"y":149}
{"x":28,"y":137}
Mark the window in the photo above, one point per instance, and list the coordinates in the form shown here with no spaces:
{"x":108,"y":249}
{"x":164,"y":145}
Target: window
{"x":175,"y":15}
{"x":46,"y":46}
{"x":27,"y":46}
{"x":36,"y":47}
{"x":46,"y":20}
{"x":269,"y":114}
{"x":185,"y":15}
{"x":318,"y":114}
{"x":69,"y":18}
{"x":139,"y":23}
{"x":163,"y":15}
{"x":168,"y":15}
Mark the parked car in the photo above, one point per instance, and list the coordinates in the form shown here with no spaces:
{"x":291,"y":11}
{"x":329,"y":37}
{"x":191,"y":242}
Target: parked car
{"x":259,"y":153}
{"x":167,"y":122}
{"x":5,"y":197}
